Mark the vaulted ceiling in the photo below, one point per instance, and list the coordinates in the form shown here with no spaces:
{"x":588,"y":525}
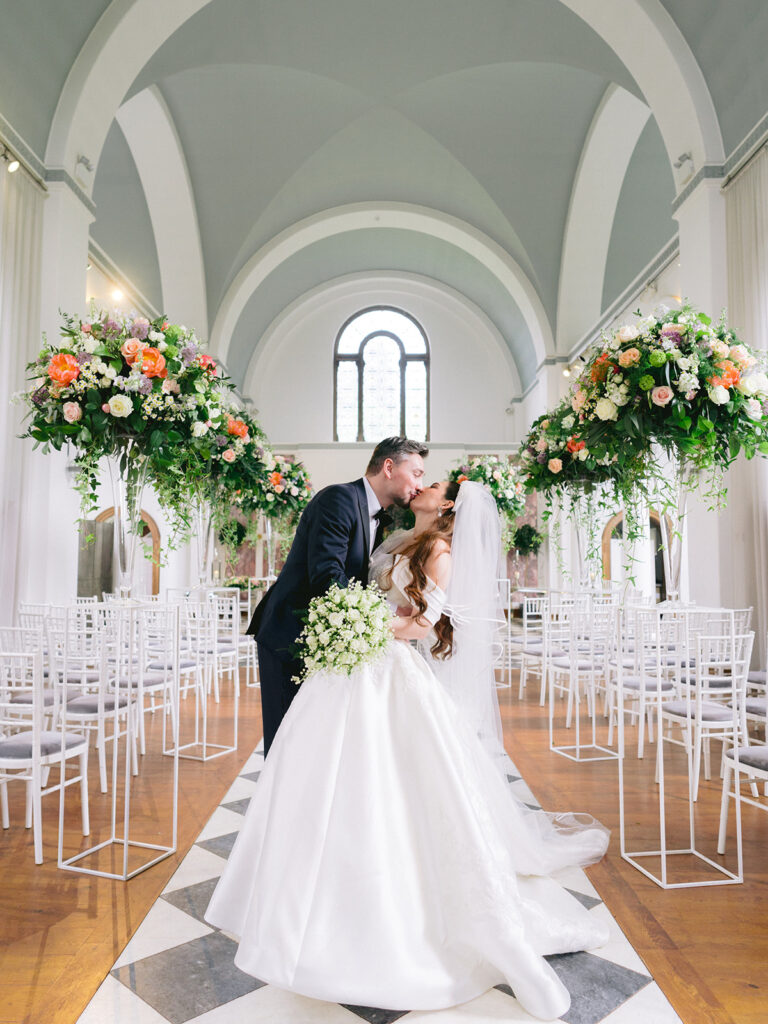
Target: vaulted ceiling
{"x":477,"y":110}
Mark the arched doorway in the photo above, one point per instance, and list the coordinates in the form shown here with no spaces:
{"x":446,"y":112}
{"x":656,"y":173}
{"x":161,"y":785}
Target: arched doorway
{"x":614,"y":530}
{"x":149,"y":529}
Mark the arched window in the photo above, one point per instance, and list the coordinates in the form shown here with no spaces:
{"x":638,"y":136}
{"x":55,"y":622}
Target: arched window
{"x":381,"y":377}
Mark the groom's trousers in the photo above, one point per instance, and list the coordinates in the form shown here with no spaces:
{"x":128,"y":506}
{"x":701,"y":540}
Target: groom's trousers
{"x":277,"y":690}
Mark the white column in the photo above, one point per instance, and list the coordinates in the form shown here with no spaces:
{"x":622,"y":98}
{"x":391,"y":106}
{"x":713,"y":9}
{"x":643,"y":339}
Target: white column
{"x":704,"y":282}
{"x":48,"y":536}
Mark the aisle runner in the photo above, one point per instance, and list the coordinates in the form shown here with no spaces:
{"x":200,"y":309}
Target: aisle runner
{"x":177,"y":969}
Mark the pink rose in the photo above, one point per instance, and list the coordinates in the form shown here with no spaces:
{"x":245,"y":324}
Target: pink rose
{"x":85,"y":328}
{"x":170,"y":387}
{"x":629,"y":357}
{"x":578,"y":400}
{"x":228,"y":455}
{"x":554,"y":465}
{"x":541,"y":445}
{"x":72,"y":412}
{"x":662,"y":395}
{"x":740,"y":355}
{"x":105,"y":407}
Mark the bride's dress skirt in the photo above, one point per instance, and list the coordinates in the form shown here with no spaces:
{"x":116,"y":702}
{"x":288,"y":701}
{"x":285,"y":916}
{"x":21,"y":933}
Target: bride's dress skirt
{"x":382,"y":861}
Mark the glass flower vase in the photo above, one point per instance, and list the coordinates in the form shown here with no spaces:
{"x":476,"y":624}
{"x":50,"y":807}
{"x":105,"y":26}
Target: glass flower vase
{"x":128,"y":476}
{"x":269,"y":539}
{"x":583,"y":513}
{"x":204,"y":538}
{"x":673,"y":521}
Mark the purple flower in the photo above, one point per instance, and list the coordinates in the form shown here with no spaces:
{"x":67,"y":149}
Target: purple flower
{"x":140,"y":328}
{"x":112,"y":326}
{"x":221,"y":442}
{"x":541,"y":459}
{"x":188,"y":354}
{"x":765,"y":408}
{"x":83,"y":357}
{"x":41,"y":395}
{"x":145,"y":385}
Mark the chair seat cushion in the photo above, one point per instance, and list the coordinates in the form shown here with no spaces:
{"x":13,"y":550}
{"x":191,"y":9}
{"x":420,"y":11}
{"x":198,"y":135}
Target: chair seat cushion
{"x":90,"y":675}
{"x":710,"y":712}
{"x":647,"y":683}
{"x":753,"y":757}
{"x":756,"y":706}
{"x":88,"y":704}
{"x":162,"y":666}
{"x":20,"y":746}
{"x":580,"y":666}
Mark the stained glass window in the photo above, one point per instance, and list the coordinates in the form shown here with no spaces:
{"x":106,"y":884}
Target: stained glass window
{"x":382,"y":377}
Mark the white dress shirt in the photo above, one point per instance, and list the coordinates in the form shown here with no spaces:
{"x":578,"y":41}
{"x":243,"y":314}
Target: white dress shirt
{"x":373,"y":507}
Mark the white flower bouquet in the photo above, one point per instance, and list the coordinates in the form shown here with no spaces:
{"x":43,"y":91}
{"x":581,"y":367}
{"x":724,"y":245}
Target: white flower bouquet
{"x":344,"y":628}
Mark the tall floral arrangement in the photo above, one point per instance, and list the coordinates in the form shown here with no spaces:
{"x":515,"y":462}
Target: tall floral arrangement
{"x":127,"y":387}
{"x":677,"y":383}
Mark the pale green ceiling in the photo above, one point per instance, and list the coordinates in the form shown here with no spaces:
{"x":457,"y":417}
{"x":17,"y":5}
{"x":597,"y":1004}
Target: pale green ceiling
{"x":478,"y":109}
{"x":375,"y":250}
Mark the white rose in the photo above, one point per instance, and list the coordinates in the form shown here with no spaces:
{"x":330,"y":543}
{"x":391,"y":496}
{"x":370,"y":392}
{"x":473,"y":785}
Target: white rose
{"x":162,"y":346}
{"x":720,"y":349}
{"x":627,"y":333}
{"x":582,"y":454}
{"x":294,"y":492}
{"x":110,"y":372}
{"x":199,"y":429}
{"x":120,"y":406}
{"x":606,"y":410}
{"x":270,"y":497}
{"x":718,"y":394}
{"x":156,"y":336}
{"x":753,"y":384}
{"x":90,"y":345}
{"x":101,"y":367}
{"x":568,"y":422}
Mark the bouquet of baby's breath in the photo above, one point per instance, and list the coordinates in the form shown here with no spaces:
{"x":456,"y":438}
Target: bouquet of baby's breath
{"x":344,"y":628}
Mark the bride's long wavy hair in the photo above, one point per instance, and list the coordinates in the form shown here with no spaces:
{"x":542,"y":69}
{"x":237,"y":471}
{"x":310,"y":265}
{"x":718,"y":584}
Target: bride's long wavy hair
{"x":418,"y":550}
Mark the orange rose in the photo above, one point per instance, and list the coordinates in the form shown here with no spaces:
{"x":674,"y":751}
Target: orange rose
{"x":237,"y":427}
{"x":276,"y":478}
{"x":153,"y":363}
{"x":63,"y":369}
{"x":600,"y":368}
{"x":132,"y":350}
{"x":730,"y":375}
{"x":460,"y":479}
{"x":208,"y":363}
{"x":574,"y":445}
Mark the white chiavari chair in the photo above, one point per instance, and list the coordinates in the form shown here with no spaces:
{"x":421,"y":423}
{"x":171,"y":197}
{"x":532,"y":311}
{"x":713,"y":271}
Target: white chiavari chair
{"x":28,"y":750}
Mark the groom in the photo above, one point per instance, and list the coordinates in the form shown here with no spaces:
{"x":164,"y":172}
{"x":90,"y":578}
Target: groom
{"x":336,"y":535}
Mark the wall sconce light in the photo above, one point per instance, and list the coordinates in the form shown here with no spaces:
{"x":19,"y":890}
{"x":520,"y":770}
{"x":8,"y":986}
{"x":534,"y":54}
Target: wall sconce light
{"x":11,"y":161}
{"x":567,"y":371}
{"x":682,"y":159}
{"x":85,"y":162}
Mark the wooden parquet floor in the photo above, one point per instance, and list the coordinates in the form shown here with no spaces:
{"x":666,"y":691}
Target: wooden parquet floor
{"x":707,"y":948}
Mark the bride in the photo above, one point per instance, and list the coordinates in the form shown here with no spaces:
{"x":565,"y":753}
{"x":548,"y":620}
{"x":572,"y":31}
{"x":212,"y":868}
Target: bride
{"x":383,"y":860}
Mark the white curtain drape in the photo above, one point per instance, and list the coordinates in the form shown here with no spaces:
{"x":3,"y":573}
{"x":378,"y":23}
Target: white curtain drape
{"x":21,"y":215}
{"x":747,"y":242}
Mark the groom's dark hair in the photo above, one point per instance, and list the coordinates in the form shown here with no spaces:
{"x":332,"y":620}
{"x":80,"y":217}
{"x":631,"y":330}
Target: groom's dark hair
{"x":395,"y":448}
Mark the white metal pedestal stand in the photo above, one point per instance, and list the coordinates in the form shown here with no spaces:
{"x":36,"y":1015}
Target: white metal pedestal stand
{"x":127,"y":620}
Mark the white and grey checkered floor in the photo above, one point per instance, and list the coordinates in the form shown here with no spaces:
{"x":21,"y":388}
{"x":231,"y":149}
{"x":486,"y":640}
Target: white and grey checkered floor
{"x":176,"y":969}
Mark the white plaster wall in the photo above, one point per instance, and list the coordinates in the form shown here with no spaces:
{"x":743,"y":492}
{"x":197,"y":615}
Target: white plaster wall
{"x":290,"y":380}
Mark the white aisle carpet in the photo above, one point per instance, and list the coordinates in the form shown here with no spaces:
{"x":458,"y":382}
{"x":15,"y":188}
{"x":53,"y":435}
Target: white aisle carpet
{"x":178,"y":970}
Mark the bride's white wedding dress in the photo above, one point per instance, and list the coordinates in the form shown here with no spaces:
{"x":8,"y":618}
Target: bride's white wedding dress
{"x":382,"y":862}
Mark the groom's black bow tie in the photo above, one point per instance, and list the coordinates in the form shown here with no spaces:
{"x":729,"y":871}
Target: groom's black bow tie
{"x":383,"y":520}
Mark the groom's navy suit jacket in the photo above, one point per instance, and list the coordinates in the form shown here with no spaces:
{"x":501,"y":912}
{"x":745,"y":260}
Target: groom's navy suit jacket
{"x":330,"y":546}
